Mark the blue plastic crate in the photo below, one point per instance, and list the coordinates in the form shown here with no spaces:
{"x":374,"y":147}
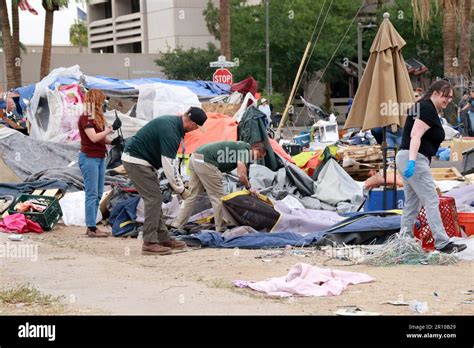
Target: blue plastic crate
{"x":374,"y":199}
{"x":302,"y":139}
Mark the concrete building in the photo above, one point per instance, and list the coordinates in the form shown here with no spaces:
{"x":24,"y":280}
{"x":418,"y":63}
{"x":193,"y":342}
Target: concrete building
{"x":119,"y":65}
{"x":146,"y":26}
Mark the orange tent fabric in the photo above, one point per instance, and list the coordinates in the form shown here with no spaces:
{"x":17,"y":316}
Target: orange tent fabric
{"x":279,"y":150}
{"x":218,"y":127}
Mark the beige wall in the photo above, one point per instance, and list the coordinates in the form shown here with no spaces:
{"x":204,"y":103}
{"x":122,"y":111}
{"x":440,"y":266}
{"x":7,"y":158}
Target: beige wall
{"x":112,"y":65}
{"x":173,"y":23}
{"x":56,"y":49}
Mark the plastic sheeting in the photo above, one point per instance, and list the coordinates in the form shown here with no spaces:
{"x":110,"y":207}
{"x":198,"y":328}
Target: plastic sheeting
{"x":130,"y":125}
{"x":39,"y":124}
{"x":73,"y":207}
{"x":468,"y":253}
{"x":334,"y":185}
{"x":464,"y":196}
{"x":301,"y":220}
{"x":159,"y":99}
{"x":200,"y":88}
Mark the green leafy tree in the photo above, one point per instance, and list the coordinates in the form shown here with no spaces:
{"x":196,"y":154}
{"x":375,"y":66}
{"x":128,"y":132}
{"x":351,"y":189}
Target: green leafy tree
{"x":424,"y":48}
{"x":78,"y":34}
{"x":291,"y":26}
{"x":190,"y":64}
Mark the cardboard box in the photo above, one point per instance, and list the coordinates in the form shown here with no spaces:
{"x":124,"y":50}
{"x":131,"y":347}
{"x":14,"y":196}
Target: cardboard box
{"x":458,"y":146}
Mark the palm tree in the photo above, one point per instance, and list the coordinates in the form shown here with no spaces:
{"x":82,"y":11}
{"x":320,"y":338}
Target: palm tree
{"x":451,"y":65}
{"x":16,"y":42}
{"x":465,"y":47}
{"x":11,"y":43}
{"x":457,"y":48}
{"x":224,"y":26}
{"x":78,"y":34}
{"x":50,"y":6}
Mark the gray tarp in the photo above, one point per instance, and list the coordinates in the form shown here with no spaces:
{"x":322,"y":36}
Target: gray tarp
{"x":334,"y":185}
{"x":72,"y":176}
{"x":304,"y":221}
{"x":25,"y":155}
{"x":34,"y":160}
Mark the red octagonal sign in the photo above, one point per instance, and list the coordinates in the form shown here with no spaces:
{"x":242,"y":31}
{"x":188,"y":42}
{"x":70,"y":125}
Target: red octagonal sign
{"x":222,"y":76}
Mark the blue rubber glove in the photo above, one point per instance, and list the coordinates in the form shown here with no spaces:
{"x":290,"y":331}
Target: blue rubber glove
{"x":408,"y":173}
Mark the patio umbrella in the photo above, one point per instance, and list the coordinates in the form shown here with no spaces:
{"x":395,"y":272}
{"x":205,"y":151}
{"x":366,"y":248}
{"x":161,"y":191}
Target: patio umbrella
{"x":385,"y":91}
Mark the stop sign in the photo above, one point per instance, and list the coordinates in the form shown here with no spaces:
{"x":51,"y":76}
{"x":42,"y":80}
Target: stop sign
{"x":222,"y":76}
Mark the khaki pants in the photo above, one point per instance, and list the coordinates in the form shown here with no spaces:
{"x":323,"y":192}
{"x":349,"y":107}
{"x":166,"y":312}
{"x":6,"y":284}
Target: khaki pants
{"x":203,"y":176}
{"x":146,"y":182}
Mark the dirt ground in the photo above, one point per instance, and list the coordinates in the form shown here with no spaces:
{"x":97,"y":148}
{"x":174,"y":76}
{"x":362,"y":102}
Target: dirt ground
{"x":110,"y":276}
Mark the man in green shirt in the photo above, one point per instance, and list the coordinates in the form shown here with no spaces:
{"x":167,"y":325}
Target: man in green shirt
{"x":206,"y":166}
{"x":153,"y":147}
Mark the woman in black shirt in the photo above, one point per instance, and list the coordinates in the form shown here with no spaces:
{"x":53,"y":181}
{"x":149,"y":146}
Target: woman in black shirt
{"x":422,"y":136}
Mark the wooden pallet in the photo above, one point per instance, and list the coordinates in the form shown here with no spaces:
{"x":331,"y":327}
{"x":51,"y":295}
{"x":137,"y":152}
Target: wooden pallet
{"x":446,"y":174}
{"x":367,"y":154}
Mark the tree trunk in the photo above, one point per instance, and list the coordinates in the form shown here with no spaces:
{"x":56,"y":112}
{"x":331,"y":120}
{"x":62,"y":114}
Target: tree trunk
{"x":224,"y":27}
{"x":48,"y":32}
{"x":7,"y":45}
{"x":327,"y":98}
{"x":451,"y":60}
{"x":465,"y":45}
{"x":15,"y":43}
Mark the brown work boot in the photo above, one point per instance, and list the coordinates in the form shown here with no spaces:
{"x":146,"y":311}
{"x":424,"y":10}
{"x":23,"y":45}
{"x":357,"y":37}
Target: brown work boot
{"x":174,"y":244}
{"x":97,"y":233}
{"x":155,"y":249}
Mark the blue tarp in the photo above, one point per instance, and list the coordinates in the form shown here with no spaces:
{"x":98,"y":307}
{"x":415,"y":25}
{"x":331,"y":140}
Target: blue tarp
{"x":359,"y":223}
{"x":18,"y":188}
{"x":258,"y":240}
{"x":25,"y":92}
{"x":201,"y":88}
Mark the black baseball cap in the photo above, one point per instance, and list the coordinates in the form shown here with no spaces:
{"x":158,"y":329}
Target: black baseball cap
{"x":197,"y":115}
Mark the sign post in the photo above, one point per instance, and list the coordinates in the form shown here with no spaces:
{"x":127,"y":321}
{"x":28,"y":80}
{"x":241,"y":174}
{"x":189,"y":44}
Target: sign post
{"x":222,"y":75}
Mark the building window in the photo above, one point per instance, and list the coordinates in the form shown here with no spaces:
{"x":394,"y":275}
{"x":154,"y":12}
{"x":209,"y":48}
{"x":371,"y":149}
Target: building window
{"x":137,"y":47}
{"x":135,"y":6}
{"x":108,"y":10}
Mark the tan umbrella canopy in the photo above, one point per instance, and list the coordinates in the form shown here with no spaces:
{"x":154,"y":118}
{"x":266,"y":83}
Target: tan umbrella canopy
{"x":385,"y":91}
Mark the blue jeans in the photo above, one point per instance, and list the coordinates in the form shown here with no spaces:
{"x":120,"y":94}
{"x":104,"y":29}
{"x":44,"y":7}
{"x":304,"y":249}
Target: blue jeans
{"x":394,"y":139}
{"x":93,"y":171}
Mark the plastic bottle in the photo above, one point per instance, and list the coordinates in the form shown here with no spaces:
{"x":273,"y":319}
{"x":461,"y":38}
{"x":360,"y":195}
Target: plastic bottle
{"x":420,"y":307}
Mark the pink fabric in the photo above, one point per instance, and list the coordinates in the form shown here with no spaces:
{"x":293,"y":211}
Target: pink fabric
{"x":307,"y":280}
{"x":18,"y":223}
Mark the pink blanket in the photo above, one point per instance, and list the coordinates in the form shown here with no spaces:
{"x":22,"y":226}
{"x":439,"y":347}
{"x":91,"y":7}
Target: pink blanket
{"x":307,"y":280}
{"x":18,"y":223}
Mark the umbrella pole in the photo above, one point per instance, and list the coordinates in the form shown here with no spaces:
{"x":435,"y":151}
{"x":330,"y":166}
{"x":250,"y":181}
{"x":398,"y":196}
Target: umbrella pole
{"x":384,"y":165}
{"x":395,"y":188}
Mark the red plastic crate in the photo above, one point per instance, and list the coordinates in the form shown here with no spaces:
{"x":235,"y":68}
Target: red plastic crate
{"x":466,"y":222}
{"x":449,"y":216}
